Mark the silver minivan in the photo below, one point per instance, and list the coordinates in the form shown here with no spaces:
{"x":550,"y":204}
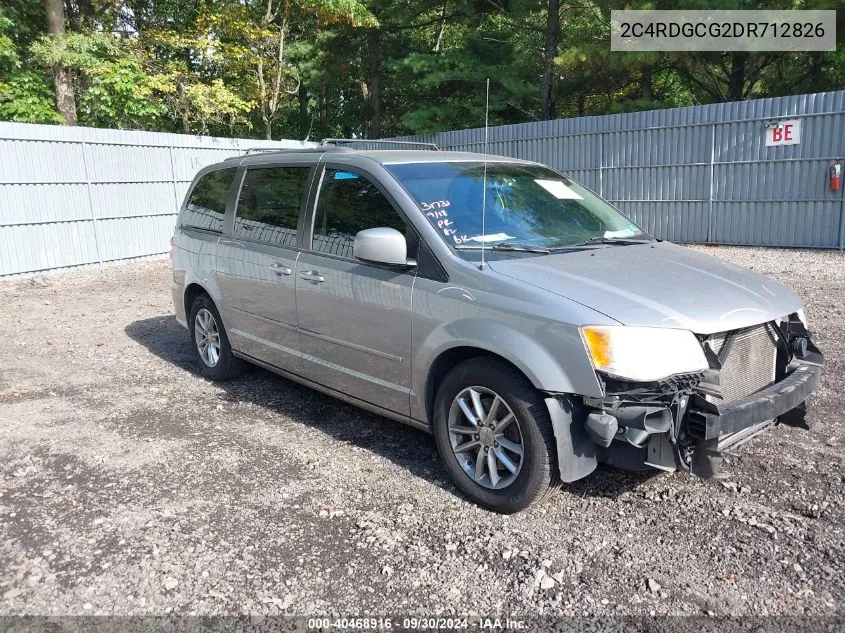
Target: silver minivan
{"x":498,"y":304}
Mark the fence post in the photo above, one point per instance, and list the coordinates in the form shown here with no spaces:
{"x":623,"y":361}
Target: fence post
{"x":173,"y":177}
{"x":710,"y":218}
{"x":601,"y":164}
{"x":93,"y":215}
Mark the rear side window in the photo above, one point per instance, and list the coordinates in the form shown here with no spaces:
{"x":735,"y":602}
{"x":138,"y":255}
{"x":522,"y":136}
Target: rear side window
{"x":207,"y":203}
{"x":269,"y":204}
{"x":350,"y":203}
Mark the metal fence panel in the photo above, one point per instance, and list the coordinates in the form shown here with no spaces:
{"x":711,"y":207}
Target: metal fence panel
{"x":80,"y":196}
{"x":698,"y":174}
{"x":73,"y":197}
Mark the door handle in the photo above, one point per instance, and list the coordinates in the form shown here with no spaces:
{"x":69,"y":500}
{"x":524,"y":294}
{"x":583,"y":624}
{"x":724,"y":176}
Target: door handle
{"x":313,"y":276}
{"x":280,"y":269}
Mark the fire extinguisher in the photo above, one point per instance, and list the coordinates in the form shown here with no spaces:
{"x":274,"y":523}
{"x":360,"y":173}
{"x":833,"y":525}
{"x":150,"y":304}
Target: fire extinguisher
{"x":836,"y":176}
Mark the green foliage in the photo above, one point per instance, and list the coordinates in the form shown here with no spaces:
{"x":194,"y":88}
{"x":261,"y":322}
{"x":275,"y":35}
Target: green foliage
{"x":314,"y":68}
{"x":113,"y":89}
{"x":26,"y":96}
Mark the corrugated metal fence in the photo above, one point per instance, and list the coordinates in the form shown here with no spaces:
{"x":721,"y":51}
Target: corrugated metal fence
{"x":698,"y":174}
{"x":81,"y":196}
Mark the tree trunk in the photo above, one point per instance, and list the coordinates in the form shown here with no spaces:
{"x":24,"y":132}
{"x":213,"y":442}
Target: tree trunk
{"x":736,"y":79}
{"x":324,"y":111}
{"x":65,"y":103}
{"x":304,"y":116}
{"x":441,"y":30}
{"x":374,"y":44}
{"x":87,"y":14}
{"x":646,"y":83}
{"x":182,"y":99}
{"x":547,"y":103}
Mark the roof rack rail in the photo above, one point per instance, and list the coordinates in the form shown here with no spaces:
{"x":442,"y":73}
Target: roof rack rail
{"x":258,"y":150}
{"x":290,"y":150}
{"x":338,"y":141}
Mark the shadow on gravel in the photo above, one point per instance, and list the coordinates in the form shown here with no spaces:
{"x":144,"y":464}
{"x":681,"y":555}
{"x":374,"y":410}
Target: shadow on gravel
{"x":405,"y":446}
{"x":609,"y":482}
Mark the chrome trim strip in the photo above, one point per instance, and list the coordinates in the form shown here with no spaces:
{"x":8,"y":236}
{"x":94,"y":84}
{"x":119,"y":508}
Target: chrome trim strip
{"x":358,"y":348}
{"x":355,"y":374}
{"x":258,"y":339}
{"x":287,"y":326}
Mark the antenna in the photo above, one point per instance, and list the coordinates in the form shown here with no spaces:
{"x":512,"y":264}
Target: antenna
{"x":484,"y":181}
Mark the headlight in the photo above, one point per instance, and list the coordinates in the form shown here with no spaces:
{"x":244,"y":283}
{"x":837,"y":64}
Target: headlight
{"x":802,"y":316}
{"x":643,"y":353}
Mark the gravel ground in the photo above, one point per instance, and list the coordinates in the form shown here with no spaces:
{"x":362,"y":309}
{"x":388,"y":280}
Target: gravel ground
{"x":129,"y":485}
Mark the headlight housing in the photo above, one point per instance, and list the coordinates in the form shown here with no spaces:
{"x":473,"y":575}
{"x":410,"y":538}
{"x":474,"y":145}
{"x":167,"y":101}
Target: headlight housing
{"x":643,"y":353}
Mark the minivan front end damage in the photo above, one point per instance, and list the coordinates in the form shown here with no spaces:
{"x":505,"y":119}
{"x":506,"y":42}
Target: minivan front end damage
{"x":757,"y":377}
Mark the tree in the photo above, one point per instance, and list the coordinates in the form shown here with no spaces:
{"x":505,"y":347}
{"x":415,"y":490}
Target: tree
{"x":547,"y":104}
{"x":363,"y":68}
{"x":61,"y":76}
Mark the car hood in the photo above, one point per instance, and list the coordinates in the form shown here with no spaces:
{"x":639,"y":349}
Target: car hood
{"x":658,"y":285}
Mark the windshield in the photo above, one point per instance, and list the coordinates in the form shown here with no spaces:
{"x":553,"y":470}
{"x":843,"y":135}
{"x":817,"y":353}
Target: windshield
{"x":527,"y":206}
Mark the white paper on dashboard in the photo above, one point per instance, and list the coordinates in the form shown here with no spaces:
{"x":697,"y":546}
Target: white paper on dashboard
{"x":492,"y":237}
{"x":621,"y":233}
{"x":558,"y":189}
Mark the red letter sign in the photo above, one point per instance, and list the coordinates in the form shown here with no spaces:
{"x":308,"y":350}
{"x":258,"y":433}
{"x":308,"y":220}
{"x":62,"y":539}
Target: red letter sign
{"x":784,"y":133}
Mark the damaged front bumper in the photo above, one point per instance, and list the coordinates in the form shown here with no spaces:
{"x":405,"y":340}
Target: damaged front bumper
{"x":707,"y":420}
{"x":719,"y":428}
{"x":677,"y":423}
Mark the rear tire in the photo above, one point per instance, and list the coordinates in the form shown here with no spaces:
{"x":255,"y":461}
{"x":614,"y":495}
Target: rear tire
{"x":524,"y":465}
{"x":210,"y":343}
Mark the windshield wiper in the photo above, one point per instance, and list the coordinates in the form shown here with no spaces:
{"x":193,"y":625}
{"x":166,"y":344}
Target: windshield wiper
{"x":619,"y":241}
{"x":504,"y":246}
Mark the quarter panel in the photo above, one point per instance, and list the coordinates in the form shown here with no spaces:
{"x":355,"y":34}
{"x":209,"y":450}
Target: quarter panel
{"x":195,"y":262}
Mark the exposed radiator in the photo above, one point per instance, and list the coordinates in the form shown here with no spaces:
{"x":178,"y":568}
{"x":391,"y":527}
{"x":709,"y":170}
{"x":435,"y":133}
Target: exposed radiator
{"x":750,"y":362}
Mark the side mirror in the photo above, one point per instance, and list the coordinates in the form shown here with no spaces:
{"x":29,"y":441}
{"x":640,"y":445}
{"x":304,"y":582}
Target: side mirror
{"x":382,"y":245}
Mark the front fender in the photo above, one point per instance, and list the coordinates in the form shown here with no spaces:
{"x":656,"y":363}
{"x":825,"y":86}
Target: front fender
{"x":551,"y":355}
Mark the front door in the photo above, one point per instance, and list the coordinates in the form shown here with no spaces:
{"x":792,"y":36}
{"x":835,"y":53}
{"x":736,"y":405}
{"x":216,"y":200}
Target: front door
{"x":354,"y":317}
{"x":257,"y":263}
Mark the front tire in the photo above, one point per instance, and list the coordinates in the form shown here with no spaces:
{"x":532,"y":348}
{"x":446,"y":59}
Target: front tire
{"x":210,"y":343}
{"x":494,"y":435}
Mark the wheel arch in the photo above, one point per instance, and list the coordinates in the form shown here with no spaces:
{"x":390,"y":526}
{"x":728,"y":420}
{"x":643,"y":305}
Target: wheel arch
{"x":564,"y":369}
{"x":192,"y":291}
{"x":575,"y":451}
{"x":449,"y":358}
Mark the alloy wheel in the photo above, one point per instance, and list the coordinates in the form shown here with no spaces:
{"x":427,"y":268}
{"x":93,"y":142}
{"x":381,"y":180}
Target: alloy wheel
{"x":207,"y":337}
{"x":485,"y":437}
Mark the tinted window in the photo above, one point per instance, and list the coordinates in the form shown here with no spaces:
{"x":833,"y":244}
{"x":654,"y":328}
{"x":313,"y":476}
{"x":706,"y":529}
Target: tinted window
{"x":349,"y":203}
{"x":207,"y":204}
{"x":268,"y":207}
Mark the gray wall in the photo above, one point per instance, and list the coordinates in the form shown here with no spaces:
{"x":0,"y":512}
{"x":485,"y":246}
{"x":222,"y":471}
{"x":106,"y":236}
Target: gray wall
{"x":72,"y":197}
{"x":698,"y":174}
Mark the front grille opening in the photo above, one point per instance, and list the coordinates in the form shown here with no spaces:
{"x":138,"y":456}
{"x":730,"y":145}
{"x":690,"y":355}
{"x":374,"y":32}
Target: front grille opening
{"x":750,"y":363}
